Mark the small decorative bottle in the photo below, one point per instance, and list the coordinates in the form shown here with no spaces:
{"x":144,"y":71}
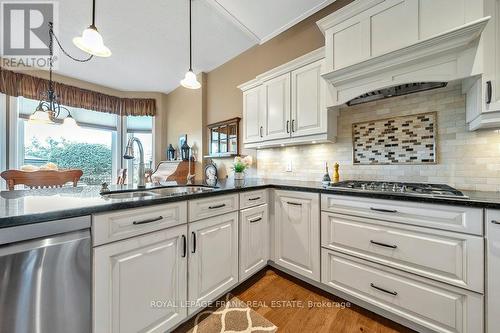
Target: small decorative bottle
{"x":336,"y":175}
{"x":326,"y":178}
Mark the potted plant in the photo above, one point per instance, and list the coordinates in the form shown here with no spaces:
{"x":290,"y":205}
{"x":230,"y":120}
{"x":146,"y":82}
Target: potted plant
{"x":240,"y":165}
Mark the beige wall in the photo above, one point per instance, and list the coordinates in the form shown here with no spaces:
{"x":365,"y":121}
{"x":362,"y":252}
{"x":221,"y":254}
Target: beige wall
{"x":186,"y":114}
{"x":225,"y":100}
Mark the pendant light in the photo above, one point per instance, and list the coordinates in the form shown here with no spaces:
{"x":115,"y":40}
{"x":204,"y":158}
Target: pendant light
{"x":190,"y":81}
{"x":91,"y":40}
{"x":49,"y":110}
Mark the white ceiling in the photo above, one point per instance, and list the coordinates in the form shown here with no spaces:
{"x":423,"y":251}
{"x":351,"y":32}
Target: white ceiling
{"x":149,"y":39}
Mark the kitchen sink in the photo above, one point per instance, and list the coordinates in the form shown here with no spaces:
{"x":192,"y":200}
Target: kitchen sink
{"x":130,"y":195}
{"x":182,"y":190}
{"x":159,"y":192}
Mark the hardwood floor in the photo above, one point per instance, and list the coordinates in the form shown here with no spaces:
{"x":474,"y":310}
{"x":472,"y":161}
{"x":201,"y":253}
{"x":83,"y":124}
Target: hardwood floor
{"x":286,"y":302}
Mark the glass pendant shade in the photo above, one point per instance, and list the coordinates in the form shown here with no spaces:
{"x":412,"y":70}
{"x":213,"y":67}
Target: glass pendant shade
{"x":40,"y":117}
{"x":190,"y":81}
{"x":69,"y":122}
{"x":91,"y":42}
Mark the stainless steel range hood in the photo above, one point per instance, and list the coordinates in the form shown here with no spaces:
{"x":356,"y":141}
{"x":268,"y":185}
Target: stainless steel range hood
{"x":394,"y":91}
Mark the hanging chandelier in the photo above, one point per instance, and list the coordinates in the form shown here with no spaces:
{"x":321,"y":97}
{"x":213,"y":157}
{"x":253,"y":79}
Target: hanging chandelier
{"x":49,"y":110}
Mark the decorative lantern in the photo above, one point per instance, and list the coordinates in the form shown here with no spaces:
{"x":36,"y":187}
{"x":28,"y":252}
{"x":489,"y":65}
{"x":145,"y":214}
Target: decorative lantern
{"x":171,"y":153}
{"x":185,"y":150}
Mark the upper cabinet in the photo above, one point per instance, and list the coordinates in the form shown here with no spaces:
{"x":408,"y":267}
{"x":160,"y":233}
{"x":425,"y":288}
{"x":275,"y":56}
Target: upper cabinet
{"x":289,"y":105}
{"x":483,"y":92}
{"x":253,"y":114}
{"x":309,"y":100}
{"x":277,"y":109}
{"x":375,"y":44}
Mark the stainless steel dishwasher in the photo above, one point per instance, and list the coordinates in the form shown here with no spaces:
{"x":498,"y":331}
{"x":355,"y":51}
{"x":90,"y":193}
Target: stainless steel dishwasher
{"x":45,"y":277}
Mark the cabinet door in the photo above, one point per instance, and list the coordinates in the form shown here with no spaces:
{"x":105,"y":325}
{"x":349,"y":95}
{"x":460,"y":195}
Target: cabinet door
{"x":254,"y":240}
{"x":309,"y":114}
{"x":253,"y":118}
{"x":277,"y":111}
{"x":213,"y":258}
{"x":296,"y":233}
{"x":493,"y":271}
{"x":140,"y":284}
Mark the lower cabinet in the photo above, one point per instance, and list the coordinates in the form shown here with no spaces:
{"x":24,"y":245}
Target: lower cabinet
{"x":493,"y":271}
{"x":437,"y":306}
{"x":296,"y":243}
{"x":254,"y":240}
{"x":140,"y":284}
{"x":213,"y":258}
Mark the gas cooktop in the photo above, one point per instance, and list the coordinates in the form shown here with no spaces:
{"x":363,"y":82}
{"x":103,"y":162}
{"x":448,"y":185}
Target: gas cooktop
{"x":410,"y":189}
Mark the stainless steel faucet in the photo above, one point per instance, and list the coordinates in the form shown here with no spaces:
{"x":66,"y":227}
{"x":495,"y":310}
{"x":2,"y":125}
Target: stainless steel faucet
{"x":130,"y":155}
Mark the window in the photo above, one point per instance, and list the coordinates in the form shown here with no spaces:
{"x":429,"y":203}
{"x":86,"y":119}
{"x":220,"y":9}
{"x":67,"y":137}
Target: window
{"x":95,"y":146}
{"x":91,"y":147}
{"x":141,"y":128}
{"x":3,"y":137}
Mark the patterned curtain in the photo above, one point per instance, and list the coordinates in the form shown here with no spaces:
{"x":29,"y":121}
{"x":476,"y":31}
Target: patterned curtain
{"x":18,"y":84}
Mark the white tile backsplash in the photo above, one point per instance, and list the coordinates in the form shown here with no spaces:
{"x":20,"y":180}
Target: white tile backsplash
{"x":466,"y":160}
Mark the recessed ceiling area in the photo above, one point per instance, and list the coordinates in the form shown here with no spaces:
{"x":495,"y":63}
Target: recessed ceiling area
{"x":149,"y":40}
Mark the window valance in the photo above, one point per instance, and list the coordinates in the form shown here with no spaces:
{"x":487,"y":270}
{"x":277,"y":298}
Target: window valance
{"x":19,"y":84}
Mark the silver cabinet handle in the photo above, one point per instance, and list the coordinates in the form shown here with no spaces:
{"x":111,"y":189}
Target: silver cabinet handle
{"x":184,"y":246}
{"x":148,"y":220}
{"x":218,"y":206}
{"x":260,"y":131}
{"x":255,"y":220}
{"x":194,"y":242}
{"x":393,"y":293}
{"x":288,"y":126}
{"x":293,"y":125}
{"x":294,"y":203}
{"x":382,"y":244}
{"x":253,"y":199}
{"x":384,"y":210}
{"x":495,"y":222}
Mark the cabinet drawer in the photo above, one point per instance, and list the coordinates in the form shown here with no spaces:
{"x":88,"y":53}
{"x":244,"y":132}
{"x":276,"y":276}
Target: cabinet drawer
{"x":452,"y":218}
{"x":253,"y":198}
{"x":446,"y":256}
{"x":437,"y":306}
{"x":110,"y":227}
{"x":212,"y":206}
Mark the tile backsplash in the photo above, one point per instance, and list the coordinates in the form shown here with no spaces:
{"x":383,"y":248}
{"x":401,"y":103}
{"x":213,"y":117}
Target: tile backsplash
{"x":465,"y":160}
{"x":398,"y":140}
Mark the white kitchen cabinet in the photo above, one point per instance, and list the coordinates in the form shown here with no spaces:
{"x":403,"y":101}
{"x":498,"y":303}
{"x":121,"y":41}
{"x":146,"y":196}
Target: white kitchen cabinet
{"x":483,"y":92}
{"x":436,"y":306}
{"x":308,"y":100}
{"x":296,"y":244}
{"x":213,"y":258}
{"x":450,"y":257}
{"x":277,"y":111}
{"x":131,"y":275}
{"x":288,"y":105}
{"x":254,"y":240}
{"x":493,"y":271}
{"x":254,"y":101}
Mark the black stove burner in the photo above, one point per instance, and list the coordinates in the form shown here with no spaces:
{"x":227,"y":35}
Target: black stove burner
{"x":416,"y":189}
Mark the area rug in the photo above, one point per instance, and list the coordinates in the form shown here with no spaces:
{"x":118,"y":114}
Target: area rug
{"x":234,"y":316}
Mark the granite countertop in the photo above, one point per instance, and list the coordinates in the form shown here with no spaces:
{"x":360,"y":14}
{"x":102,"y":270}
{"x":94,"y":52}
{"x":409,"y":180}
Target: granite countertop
{"x":33,"y":206}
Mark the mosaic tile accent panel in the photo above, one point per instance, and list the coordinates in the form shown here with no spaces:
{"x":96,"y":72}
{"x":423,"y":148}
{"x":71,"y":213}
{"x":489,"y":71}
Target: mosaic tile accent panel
{"x":400,"y":140}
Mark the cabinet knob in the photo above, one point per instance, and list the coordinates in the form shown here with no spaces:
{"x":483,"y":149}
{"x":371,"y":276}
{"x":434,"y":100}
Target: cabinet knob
{"x":495,"y":222}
